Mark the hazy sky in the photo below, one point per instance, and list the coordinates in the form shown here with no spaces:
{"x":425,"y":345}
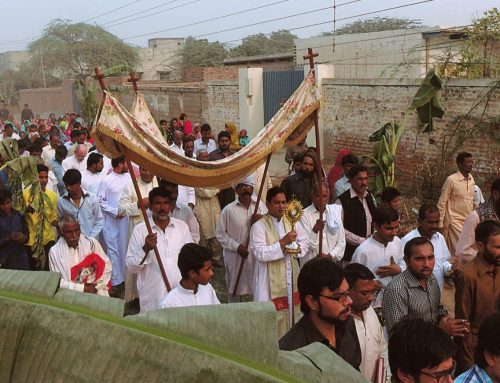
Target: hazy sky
{"x":24,"y":20}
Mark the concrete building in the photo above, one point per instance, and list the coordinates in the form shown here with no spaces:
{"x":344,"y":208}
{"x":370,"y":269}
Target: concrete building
{"x":407,"y":53}
{"x":12,"y":60}
{"x":159,"y":61}
{"x":279,"y":61}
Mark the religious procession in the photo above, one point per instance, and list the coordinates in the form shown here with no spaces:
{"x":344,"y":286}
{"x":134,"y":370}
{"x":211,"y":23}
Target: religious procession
{"x":282,"y":245}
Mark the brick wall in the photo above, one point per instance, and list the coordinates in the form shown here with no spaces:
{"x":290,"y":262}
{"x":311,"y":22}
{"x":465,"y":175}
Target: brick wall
{"x":353,"y":109}
{"x":200,"y":74}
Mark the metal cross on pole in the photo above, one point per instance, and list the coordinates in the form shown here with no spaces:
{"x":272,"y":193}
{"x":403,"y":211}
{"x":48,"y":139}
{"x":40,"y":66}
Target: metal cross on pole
{"x":100,"y":77}
{"x":319,"y":166}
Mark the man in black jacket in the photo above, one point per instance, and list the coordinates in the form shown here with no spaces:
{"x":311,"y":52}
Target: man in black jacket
{"x":326,"y":305}
{"x":358,"y":206}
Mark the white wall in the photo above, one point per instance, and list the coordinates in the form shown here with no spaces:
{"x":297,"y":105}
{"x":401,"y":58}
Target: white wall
{"x":251,"y":85}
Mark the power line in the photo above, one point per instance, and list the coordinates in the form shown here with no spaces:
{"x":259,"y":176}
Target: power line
{"x":207,"y":20}
{"x":324,"y":22}
{"x":138,"y":13}
{"x":267,"y":21}
{"x":108,"y":12}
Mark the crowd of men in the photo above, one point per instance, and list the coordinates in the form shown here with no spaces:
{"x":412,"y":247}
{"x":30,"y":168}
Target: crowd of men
{"x":366,"y":289}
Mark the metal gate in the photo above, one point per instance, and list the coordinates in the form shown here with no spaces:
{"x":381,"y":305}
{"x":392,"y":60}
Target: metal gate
{"x":278,"y":87}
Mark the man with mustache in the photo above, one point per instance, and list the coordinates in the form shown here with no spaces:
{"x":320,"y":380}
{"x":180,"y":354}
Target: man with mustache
{"x":428,"y":219}
{"x":299,"y":185}
{"x":363,"y":290}
{"x":415,"y":292}
{"x":169,"y":235}
{"x":357,"y":210}
{"x":326,"y":305}
{"x":477,"y":292}
{"x":232,"y":231}
{"x":276,"y":270}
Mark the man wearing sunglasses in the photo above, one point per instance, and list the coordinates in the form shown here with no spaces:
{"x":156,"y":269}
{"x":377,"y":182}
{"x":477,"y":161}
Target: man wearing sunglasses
{"x":420,"y":352}
{"x":326,"y":305}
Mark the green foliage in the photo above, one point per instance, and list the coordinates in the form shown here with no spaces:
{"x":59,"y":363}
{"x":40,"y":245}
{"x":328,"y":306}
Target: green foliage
{"x":280,"y":41}
{"x":479,"y":55}
{"x":383,"y":160}
{"x":202,"y":53}
{"x":71,"y":50}
{"x":377,"y":24}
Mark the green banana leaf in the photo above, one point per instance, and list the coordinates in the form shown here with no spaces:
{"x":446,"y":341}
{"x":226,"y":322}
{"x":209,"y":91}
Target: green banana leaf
{"x":426,"y":100}
{"x":47,"y":334}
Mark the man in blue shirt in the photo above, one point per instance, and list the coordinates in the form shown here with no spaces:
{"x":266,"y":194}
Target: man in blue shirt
{"x":487,"y":354}
{"x":56,"y":165}
{"x":82,"y":205}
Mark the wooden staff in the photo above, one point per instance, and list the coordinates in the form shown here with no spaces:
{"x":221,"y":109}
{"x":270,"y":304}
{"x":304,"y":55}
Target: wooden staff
{"x":256,"y":209}
{"x":100,"y":77}
{"x":319,"y":166}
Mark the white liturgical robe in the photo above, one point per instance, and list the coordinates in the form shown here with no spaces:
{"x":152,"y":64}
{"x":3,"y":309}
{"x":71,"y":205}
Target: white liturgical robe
{"x":233,"y":228}
{"x":263,"y":253}
{"x":115,"y":230}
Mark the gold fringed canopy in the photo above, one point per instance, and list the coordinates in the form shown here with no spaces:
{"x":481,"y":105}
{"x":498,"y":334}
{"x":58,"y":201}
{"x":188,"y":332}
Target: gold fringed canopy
{"x":144,"y":144}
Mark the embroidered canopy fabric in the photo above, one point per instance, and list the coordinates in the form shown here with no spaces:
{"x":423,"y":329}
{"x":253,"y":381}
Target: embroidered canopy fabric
{"x":136,"y":135}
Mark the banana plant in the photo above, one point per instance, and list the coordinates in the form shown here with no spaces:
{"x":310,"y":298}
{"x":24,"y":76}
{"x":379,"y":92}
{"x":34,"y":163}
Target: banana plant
{"x":383,"y":160}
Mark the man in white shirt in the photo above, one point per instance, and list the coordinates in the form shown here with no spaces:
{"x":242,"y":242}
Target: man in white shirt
{"x":276,"y":270}
{"x":79,"y":259}
{"x":232,"y":230}
{"x":49,"y":151}
{"x":382,"y":253}
{"x":115,"y":228}
{"x":169,"y":235}
{"x":205,"y":142}
{"x":177,"y":144}
{"x":333,"y":231}
{"x":8,"y":132}
{"x":182,"y":211}
{"x":77,"y":160}
{"x":428,"y":219}
{"x":194,"y":289}
{"x":363,"y":290}
{"x":93,"y":175}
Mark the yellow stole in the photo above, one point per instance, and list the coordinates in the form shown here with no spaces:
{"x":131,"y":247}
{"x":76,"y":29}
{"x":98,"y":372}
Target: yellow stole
{"x":277,"y":277}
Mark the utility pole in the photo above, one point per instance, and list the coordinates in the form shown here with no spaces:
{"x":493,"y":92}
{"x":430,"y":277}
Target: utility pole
{"x":334,"y":23}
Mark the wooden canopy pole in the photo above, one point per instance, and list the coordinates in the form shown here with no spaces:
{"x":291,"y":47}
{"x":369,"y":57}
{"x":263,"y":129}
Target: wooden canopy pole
{"x":100,"y":77}
{"x":319,"y":166}
{"x":256,"y":209}
{"x":133,"y":79}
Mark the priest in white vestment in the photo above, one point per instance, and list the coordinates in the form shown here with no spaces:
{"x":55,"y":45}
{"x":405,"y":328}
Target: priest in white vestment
{"x":232,"y":231}
{"x":276,"y":272}
{"x":80,"y":260}
{"x":115,"y":229}
{"x":169,"y":235}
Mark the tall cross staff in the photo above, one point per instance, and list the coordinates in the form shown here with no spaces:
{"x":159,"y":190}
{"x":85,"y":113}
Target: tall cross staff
{"x":319,"y":166}
{"x":133,"y":78}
